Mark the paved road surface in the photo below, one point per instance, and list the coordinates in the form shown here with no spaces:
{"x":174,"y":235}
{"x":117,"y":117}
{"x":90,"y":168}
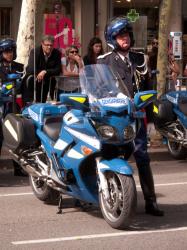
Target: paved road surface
{"x":27,"y":223}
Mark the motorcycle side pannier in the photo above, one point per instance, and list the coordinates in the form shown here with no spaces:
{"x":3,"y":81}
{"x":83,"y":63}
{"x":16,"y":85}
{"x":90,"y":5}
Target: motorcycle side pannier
{"x":19,"y":133}
{"x":163,"y":112}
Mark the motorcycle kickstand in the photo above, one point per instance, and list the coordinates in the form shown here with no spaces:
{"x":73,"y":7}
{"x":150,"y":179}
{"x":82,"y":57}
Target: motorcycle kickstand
{"x":60,"y":205}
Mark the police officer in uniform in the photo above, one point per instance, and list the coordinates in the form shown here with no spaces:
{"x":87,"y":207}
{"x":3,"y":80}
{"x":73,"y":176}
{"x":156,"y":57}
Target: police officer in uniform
{"x":7,"y":57}
{"x":119,"y":36}
{"x":8,"y":66}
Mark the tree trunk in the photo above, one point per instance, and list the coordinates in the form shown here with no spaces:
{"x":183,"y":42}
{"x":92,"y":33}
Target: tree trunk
{"x":162,"y":62}
{"x":25,"y":39}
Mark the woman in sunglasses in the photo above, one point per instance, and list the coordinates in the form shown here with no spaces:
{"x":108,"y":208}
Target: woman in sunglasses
{"x":71,"y":64}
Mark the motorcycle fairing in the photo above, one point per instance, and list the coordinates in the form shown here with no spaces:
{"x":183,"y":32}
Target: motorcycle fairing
{"x":38,"y":112}
{"x":174,"y":97}
{"x":9,"y":84}
{"x":117,"y":165}
{"x":73,"y":159}
{"x":142,"y":99}
{"x":119,"y":124}
{"x":75,"y":101}
{"x":63,"y":142}
{"x":114,"y":104}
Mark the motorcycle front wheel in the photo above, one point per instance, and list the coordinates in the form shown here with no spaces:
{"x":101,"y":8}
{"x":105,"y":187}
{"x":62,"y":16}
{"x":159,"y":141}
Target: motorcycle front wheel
{"x":177,"y":150}
{"x":42,"y":191}
{"x":119,"y":209}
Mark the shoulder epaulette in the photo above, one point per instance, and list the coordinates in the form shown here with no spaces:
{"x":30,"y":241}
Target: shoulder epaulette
{"x":137,"y":53}
{"x":103,"y":56}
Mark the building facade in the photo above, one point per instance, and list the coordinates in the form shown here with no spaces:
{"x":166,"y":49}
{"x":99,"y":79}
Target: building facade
{"x":76,"y":21}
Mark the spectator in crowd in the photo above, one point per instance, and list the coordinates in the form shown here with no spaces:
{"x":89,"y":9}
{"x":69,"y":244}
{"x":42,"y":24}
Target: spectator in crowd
{"x":95,"y":49}
{"x":44,"y":62}
{"x":152,"y":84}
{"x":71,"y":64}
{"x":173,"y":71}
{"x":8,"y":66}
{"x":119,"y":36}
{"x":152,"y":63}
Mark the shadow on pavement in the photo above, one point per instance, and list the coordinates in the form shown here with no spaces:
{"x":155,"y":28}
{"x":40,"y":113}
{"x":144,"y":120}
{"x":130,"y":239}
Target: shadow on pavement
{"x":175,"y":217}
{"x":7,"y":178}
{"x":160,"y":156}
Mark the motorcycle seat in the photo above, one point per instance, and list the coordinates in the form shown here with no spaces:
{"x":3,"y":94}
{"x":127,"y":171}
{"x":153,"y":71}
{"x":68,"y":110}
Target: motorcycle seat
{"x":52,"y":126}
{"x":183,"y":105}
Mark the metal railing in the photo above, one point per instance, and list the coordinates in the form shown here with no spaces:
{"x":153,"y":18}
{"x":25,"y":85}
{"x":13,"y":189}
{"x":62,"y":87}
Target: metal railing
{"x":181,"y":83}
{"x":66,"y":84}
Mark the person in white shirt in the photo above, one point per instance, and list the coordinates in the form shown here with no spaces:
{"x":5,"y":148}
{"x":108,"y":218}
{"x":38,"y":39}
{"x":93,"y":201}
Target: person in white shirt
{"x":71,"y":64}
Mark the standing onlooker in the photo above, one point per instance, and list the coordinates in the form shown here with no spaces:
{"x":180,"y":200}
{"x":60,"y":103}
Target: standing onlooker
{"x":152,"y":84}
{"x":95,"y":49}
{"x":119,"y":36}
{"x":152,"y":64}
{"x":71,"y":64}
{"x":47,"y":64}
{"x":173,"y":71}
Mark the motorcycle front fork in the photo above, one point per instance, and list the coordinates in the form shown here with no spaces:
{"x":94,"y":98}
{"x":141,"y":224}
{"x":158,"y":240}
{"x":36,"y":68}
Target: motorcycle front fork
{"x":103,"y":184}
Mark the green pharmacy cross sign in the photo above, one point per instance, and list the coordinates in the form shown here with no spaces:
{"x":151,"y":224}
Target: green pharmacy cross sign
{"x":132,"y":15}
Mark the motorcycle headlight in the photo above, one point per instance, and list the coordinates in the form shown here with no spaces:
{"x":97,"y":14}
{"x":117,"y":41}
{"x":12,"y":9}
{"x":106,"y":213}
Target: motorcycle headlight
{"x":129,"y":133}
{"x":107,"y":132}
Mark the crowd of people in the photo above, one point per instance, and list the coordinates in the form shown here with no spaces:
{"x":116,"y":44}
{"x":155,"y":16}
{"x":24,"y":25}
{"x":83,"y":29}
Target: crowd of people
{"x":45,"y":62}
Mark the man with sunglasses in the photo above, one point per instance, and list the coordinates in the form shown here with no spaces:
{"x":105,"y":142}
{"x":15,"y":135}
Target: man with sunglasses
{"x":44,"y":62}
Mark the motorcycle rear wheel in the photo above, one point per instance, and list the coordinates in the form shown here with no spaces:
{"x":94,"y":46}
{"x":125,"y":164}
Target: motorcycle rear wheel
{"x":177,"y":150}
{"x":42,"y":191}
{"x":118,"y":211}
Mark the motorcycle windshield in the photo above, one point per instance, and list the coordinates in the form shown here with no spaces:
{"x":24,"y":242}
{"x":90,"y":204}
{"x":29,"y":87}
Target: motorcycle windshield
{"x":98,"y":81}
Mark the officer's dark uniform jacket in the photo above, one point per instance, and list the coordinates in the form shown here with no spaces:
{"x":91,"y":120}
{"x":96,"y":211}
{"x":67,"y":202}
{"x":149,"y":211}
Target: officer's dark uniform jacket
{"x":13,"y":67}
{"x":118,"y":65}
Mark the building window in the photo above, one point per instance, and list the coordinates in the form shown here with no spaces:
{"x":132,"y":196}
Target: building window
{"x":5,"y":22}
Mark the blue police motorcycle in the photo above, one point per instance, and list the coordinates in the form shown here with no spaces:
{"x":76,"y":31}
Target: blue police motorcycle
{"x":10,"y":101}
{"x":171,"y":121}
{"x":78,"y":145}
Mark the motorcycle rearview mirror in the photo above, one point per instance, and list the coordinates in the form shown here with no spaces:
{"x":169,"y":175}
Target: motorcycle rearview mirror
{"x":144,"y":98}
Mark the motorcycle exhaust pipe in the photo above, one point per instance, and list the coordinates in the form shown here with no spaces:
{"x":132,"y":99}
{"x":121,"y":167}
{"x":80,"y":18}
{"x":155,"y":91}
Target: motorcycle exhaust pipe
{"x":25,"y":165}
{"x":29,"y":169}
{"x":169,"y":136}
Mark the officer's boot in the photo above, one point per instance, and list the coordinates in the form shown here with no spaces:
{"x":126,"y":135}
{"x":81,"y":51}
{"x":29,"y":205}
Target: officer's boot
{"x":147,"y":185}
